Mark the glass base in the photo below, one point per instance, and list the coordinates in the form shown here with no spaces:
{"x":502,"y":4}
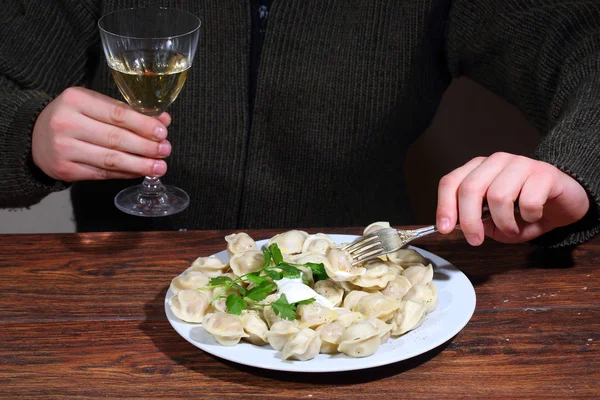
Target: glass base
{"x":135,"y":200}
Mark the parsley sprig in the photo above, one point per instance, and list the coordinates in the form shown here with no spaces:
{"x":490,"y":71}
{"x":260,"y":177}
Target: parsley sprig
{"x":274,"y":268}
{"x":286,"y":310}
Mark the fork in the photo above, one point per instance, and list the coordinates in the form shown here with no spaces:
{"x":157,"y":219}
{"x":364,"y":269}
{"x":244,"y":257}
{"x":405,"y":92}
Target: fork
{"x":388,"y":240}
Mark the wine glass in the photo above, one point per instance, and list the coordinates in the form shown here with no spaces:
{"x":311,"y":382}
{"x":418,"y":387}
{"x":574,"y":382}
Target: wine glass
{"x":150,"y":51}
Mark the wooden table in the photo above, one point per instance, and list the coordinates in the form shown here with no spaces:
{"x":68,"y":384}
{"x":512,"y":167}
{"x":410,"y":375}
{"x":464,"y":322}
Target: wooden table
{"x":81,"y":316}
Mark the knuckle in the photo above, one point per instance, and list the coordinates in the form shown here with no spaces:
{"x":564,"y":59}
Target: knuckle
{"x":447,"y":181}
{"x":149,"y":169}
{"x":118,"y":112}
{"x":541,"y":169}
{"x":61,"y":145}
{"x":500,"y":155}
{"x":529,"y":206}
{"x":469,"y":187}
{"x":153,"y":150}
{"x":498,"y":197}
{"x":523,"y":163}
{"x":103,"y":174}
{"x":521,"y":159}
{"x":115,"y":138}
{"x":59,"y":123}
{"x":71,"y":95}
{"x":111,"y":160}
{"x":61,"y":170}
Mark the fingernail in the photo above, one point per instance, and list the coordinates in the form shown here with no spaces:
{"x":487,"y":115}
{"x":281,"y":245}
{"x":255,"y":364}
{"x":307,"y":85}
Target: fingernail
{"x":159,"y":168}
{"x":473,"y":240}
{"x":444,"y":224}
{"x":160,"y":132}
{"x":164,"y":148}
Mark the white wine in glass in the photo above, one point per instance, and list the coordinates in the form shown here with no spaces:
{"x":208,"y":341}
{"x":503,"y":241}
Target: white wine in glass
{"x":149,"y":82}
{"x":150,"y":52}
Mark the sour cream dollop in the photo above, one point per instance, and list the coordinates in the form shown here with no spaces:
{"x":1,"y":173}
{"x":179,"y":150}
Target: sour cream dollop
{"x":295,"y":290}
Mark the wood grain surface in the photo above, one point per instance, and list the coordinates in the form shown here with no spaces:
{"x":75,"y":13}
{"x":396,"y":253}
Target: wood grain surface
{"x":81,"y":316}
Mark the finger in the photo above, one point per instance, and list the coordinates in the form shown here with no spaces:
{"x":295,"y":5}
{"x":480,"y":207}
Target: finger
{"x":534,"y":195}
{"x":527,"y":231}
{"x":116,"y":138}
{"x":165,"y":118}
{"x":502,"y":193}
{"x":91,"y":173}
{"x":447,"y":206}
{"x":114,"y":160}
{"x":108,"y":110}
{"x":471,"y":192}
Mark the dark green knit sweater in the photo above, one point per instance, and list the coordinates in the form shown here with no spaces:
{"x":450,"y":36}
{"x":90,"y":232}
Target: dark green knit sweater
{"x":344,"y":87}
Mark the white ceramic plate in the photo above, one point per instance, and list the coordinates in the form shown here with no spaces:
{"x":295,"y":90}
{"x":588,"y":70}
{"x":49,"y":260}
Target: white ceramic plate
{"x":456,"y":297}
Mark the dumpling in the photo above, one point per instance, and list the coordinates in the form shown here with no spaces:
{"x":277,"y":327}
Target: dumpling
{"x":307,"y":275}
{"x":340,"y":266}
{"x":331,"y":336}
{"x":377,"y":275}
{"x":395,"y":269}
{"x":289,"y":242}
{"x":376,"y":305}
{"x":209,"y":266}
{"x":270,"y":298}
{"x":280,"y":333}
{"x":349,"y":286}
{"x":346,"y":317}
{"x":303,"y":346}
{"x":227,"y":329}
{"x":190,"y":305}
{"x":397,"y":288}
{"x":239,"y":243}
{"x":292,"y":258}
{"x":219,"y":304}
{"x":249,"y":261}
{"x":360,"y":340}
{"x":383,"y":328}
{"x":331,"y":290}
{"x":190,"y":280}
{"x":375,"y":226}
{"x":270,"y":316}
{"x":352,"y":298}
{"x":423,"y":294}
{"x":419,"y":274}
{"x":255,"y":327}
{"x":314,"y":314}
{"x":318,"y":243}
{"x":408,"y":317}
{"x":406,"y":257}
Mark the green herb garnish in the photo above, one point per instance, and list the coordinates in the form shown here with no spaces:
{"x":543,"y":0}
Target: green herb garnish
{"x":273,"y":269}
{"x":286,"y":310}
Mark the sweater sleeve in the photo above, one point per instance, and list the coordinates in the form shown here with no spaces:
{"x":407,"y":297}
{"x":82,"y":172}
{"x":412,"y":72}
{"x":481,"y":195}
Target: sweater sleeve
{"x":44,"y":48}
{"x":543,"y":56}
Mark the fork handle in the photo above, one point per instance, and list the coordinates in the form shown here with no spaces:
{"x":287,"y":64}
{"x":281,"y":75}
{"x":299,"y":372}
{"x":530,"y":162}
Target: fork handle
{"x":485,"y":215}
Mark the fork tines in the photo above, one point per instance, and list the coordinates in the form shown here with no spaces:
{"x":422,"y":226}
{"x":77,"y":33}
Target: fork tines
{"x":365,"y":247}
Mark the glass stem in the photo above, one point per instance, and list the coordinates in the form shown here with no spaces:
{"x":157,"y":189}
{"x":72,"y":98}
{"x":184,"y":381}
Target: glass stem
{"x":152,"y":191}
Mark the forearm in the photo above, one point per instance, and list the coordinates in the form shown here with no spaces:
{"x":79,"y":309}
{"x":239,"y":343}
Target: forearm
{"x":42,"y":52}
{"x":543,"y":56}
{"x":573,"y":145}
{"x":21,"y":183}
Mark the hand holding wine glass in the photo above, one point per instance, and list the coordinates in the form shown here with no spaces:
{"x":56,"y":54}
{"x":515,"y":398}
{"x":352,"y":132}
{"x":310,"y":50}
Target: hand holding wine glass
{"x":150,"y":51}
{"x":85,"y":135}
